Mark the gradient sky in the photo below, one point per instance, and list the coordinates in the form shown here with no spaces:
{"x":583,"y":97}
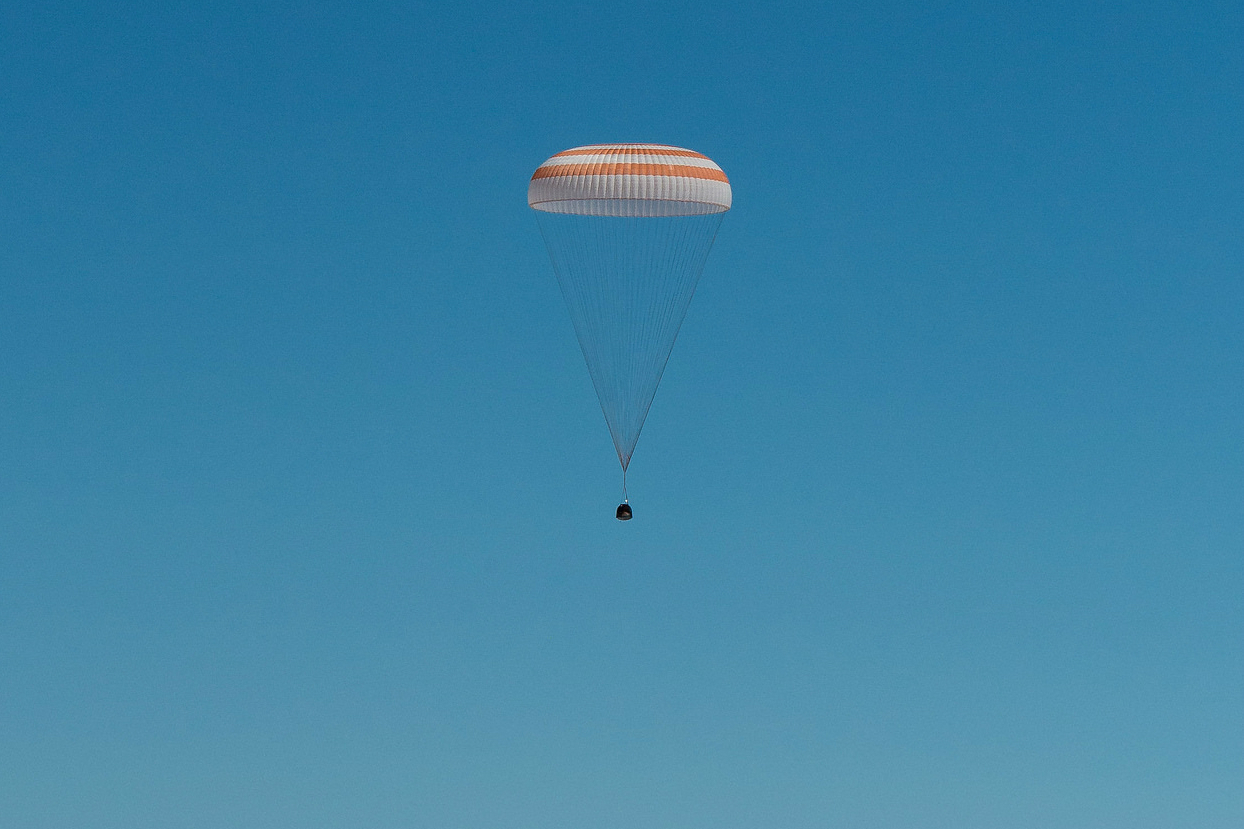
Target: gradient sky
{"x":306,"y":502}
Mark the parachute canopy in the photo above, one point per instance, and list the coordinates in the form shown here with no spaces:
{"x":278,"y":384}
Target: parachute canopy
{"x":628,"y":228}
{"x":647,"y":180}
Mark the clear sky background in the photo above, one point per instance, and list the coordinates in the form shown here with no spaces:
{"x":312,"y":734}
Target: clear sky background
{"x":306,"y":502}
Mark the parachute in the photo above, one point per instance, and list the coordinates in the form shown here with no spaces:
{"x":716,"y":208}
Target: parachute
{"x":628,"y":229}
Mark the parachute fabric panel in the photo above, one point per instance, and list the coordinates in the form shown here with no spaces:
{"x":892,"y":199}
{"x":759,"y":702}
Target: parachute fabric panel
{"x":627,"y":282}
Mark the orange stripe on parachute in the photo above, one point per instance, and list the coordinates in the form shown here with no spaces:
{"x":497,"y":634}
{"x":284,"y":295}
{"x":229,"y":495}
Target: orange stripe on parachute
{"x":627,"y":169}
{"x":623,"y":149}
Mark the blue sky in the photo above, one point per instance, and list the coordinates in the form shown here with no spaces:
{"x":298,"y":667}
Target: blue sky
{"x":306,"y":500}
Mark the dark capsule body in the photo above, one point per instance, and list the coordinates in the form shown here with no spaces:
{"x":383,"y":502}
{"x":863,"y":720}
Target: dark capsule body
{"x":624,"y":512}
